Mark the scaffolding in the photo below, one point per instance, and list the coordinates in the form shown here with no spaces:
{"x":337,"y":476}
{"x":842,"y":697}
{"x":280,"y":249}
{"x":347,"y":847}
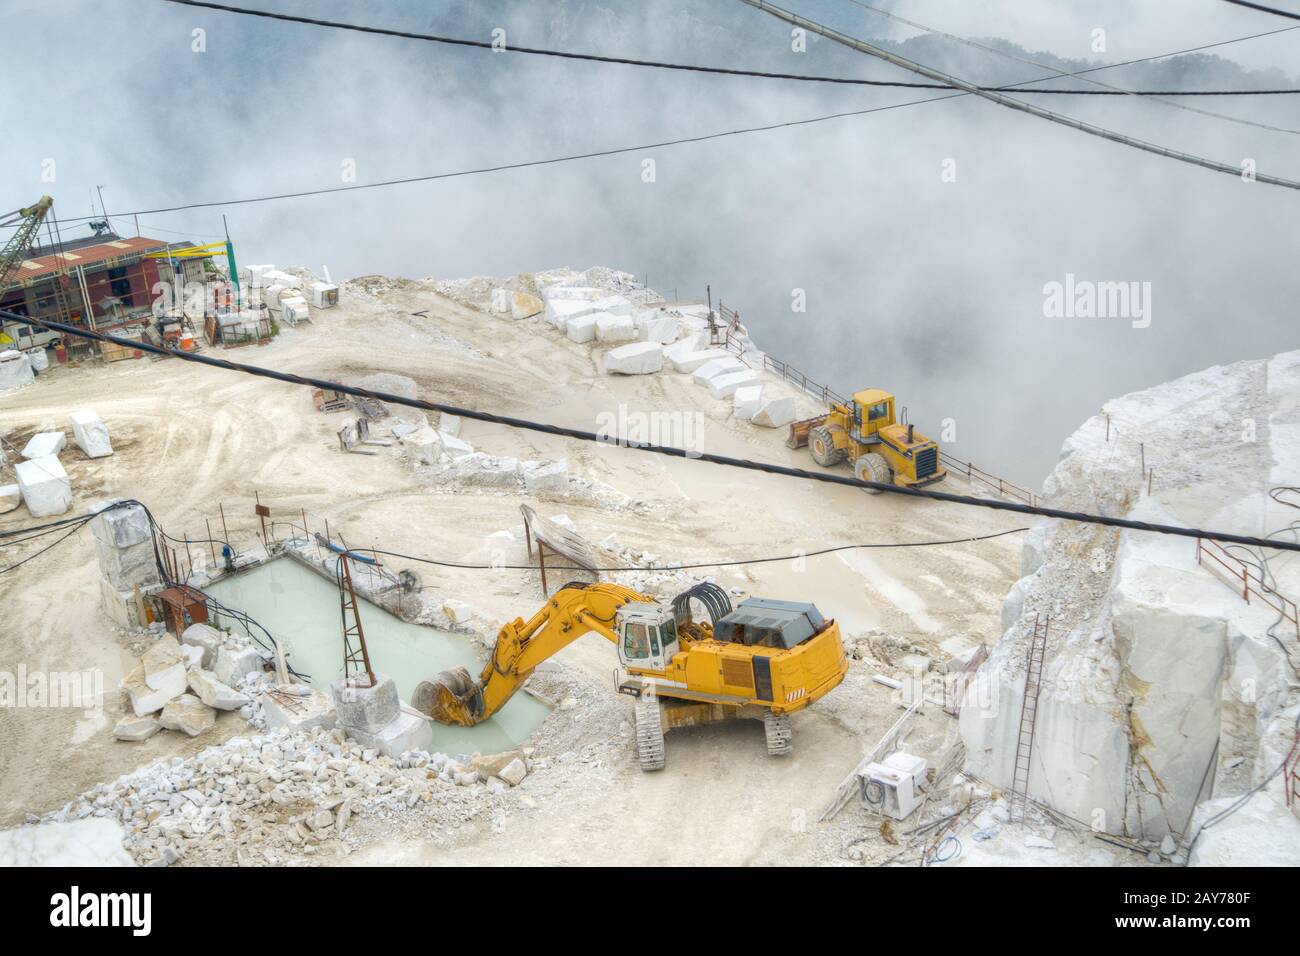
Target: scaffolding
{"x":69,"y":281}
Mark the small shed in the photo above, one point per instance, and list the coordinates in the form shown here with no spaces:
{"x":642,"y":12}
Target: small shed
{"x":183,"y":606}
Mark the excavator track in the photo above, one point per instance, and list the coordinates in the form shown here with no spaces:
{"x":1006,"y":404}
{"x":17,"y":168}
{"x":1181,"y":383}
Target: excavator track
{"x":649,"y":735}
{"x":780,"y":736}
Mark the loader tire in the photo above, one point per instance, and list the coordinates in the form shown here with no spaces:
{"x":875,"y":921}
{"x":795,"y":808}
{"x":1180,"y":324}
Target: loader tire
{"x":649,"y":736}
{"x":822,"y":447}
{"x":873,"y":467}
{"x":779,"y":734}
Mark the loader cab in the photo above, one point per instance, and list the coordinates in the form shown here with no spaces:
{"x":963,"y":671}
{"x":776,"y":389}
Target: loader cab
{"x":873,"y":409}
{"x":647,"y":636}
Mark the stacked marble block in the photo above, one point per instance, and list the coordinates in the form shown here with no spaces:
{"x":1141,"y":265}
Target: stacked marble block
{"x":375,"y":718}
{"x":124,"y":545}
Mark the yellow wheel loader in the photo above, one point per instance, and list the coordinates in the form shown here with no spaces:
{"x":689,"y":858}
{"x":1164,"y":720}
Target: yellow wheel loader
{"x":866,"y":433}
{"x":763,"y":660}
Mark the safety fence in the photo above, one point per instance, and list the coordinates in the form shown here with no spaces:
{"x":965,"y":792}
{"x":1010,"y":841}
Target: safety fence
{"x":1243,"y":577}
{"x":975,"y":474}
{"x":725,"y":332}
{"x":243,"y":529}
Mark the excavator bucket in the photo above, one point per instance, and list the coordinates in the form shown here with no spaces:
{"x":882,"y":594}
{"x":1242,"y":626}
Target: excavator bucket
{"x":452,"y":697}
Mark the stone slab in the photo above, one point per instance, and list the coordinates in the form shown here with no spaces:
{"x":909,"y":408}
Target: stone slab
{"x":305,"y":712}
{"x":45,"y":486}
{"x":404,"y":732}
{"x":724,"y":386}
{"x":639,"y":358}
{"x":45,"y":443}
{"x":366,"y":709}
{"x":775,"y":413}
{"x":90,"y":434}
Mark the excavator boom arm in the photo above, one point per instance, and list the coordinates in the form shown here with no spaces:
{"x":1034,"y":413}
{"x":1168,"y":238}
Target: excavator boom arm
{"x":454,"y":698}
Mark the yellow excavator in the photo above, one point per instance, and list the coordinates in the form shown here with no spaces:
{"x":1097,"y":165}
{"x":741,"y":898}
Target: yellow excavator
{"x":763,"y":660}
{"x":866,"y":432}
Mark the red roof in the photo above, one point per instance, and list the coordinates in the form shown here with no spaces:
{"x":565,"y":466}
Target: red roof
{"x":85,"y":256}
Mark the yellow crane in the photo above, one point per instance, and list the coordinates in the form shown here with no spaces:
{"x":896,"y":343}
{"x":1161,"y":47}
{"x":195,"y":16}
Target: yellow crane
{"x":866,"y":432}
{"x":28,"y":220}
{"x":763,"y":660}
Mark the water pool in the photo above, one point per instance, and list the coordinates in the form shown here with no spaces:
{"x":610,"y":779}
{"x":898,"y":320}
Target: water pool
{"x":301,"y":609}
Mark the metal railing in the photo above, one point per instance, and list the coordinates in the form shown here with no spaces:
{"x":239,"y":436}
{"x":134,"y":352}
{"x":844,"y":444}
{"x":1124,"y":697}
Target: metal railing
{"x":1249,"y":583}
{"x":795,"y":377}
{"x":973,"y":473}
{"x":723,"y":333}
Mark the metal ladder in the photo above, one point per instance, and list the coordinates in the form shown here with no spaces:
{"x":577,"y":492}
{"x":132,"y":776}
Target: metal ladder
{"x":1291,"y":777}
{"x":356,"y":656}
{"x":1028,"y":717}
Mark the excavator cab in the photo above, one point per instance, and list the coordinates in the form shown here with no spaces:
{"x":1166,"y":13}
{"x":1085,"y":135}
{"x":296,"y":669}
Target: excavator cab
{"x":647,"y":636}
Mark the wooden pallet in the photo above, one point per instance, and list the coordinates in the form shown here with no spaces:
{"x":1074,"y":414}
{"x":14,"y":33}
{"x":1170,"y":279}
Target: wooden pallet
{"x":112,"y":352}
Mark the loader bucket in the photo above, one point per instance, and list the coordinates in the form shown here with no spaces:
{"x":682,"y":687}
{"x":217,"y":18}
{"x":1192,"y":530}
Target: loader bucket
{"x":452,"y":697}
{"x":798,"y":436}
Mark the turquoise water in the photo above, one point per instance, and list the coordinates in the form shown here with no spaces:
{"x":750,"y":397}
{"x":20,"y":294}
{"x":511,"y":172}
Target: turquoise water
{"x":301,"y":608}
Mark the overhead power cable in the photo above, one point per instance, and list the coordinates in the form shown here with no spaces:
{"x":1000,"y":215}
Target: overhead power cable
{"x":528,"y":164}
{"x":693,"y":566}
{"x":1104,"y":87}
{"x":769,"y":127}
{"x":1263,"y":9}
{"x":685,"y":67}
{"x":32,"y":557}
{"x":770,"y":468}
{"x":40,"y":531}
{"x":1010,"y":102}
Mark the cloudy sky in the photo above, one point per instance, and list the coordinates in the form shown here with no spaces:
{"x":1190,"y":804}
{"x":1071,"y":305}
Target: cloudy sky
{"x":921,"y":237}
